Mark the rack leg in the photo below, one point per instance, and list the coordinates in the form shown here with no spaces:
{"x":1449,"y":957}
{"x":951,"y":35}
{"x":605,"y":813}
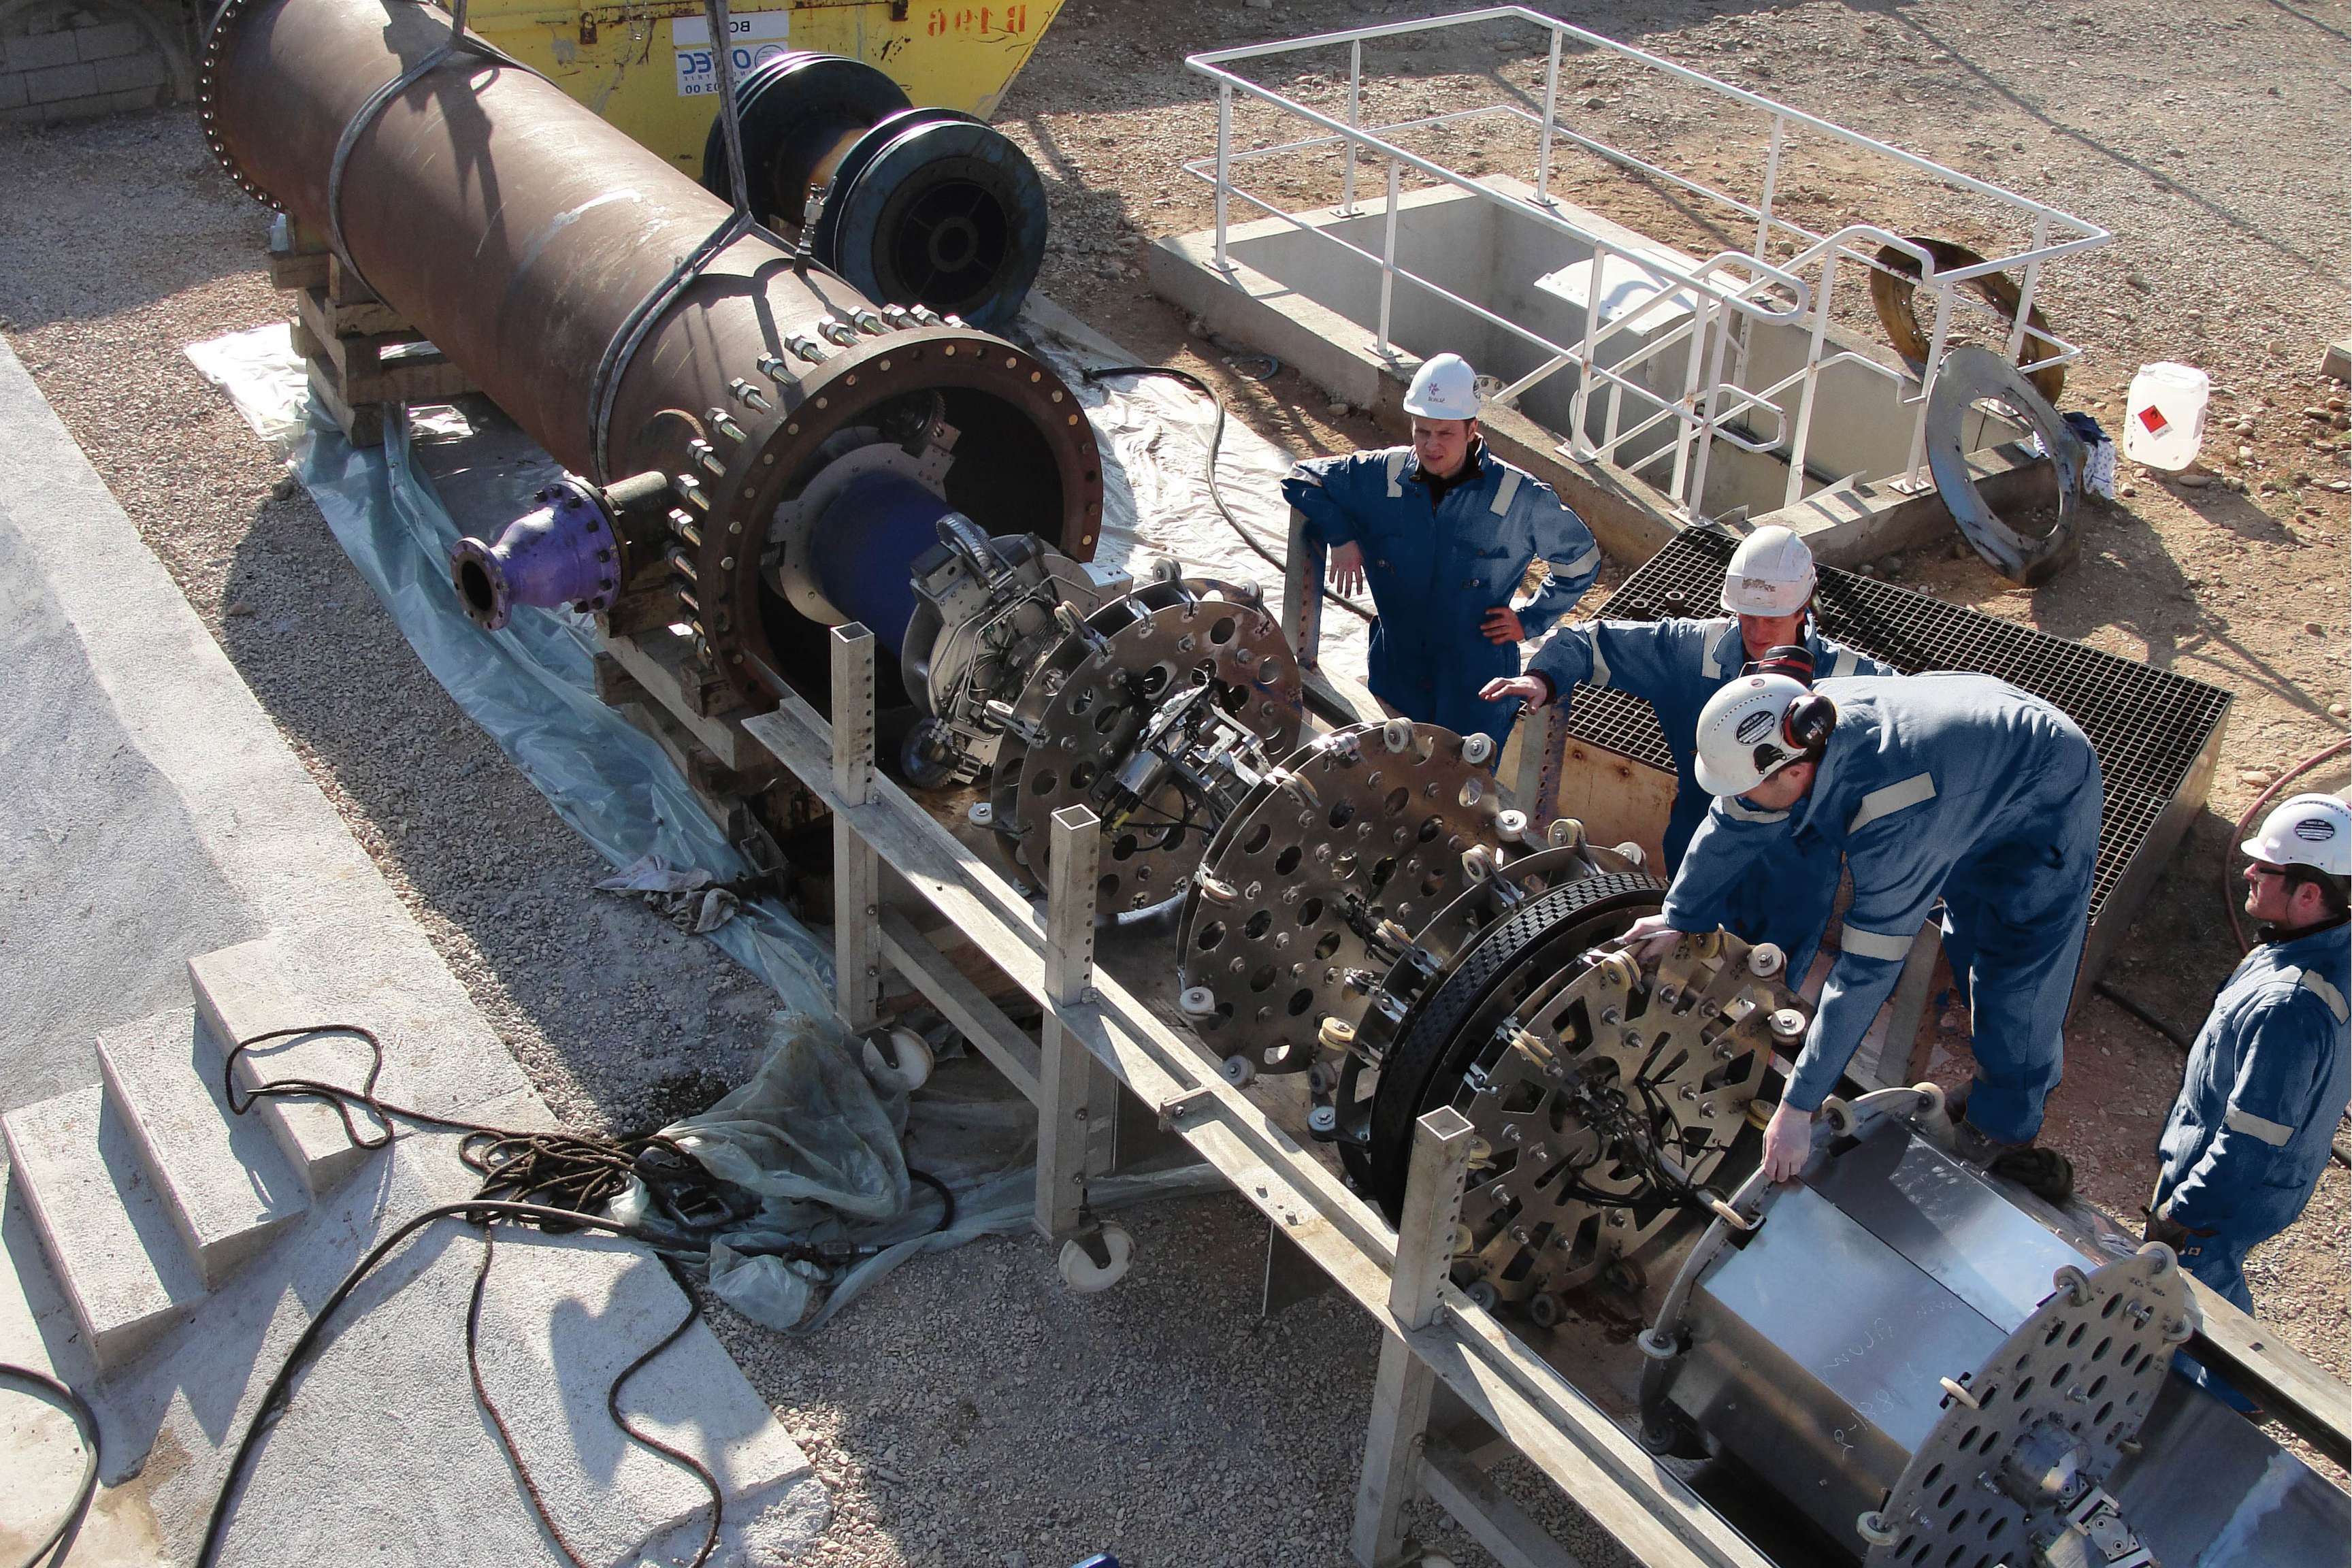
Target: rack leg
{"x":856,"y":870}
{"x":1402,"y":1388}
{"x":1077,"y":1109}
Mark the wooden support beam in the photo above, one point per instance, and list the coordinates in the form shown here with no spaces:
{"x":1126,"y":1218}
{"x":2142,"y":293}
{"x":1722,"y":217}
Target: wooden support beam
{"x":856,"y":870}
{"x":1302,"y":591}
{"x":1402,"y":1388}
{"x":1494,"y":1521}
{"x":2274,"y":1373}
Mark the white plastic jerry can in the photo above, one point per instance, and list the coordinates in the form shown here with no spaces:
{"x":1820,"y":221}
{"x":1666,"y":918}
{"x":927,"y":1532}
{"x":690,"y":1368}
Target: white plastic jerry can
{"x":2164,"y":415}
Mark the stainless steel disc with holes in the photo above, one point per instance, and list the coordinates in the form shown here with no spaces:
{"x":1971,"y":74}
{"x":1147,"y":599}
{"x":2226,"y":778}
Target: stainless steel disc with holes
{"x":1369,"y":823}
{"x":1082,"y":709}
{"x":2056,"y":1402}
{"x":1608,"y":1066}
{"x":1436,"y":953}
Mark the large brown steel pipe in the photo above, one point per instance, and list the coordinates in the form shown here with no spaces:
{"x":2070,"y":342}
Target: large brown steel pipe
{"x":519,"y":232}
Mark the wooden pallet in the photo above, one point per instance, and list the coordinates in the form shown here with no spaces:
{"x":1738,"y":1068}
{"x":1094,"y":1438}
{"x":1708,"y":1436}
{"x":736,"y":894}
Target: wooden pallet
{"x":360,"y":354}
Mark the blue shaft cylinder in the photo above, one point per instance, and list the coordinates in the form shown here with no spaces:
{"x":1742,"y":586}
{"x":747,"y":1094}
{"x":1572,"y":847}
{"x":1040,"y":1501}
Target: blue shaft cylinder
{"x":864,"y":544}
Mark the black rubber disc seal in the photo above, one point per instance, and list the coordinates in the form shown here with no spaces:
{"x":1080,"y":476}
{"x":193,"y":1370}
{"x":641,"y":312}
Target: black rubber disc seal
{"x":1424,"y":1067}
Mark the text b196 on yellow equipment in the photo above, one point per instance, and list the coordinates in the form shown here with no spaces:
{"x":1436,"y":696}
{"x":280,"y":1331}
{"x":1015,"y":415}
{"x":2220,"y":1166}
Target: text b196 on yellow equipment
{"x":648,"y":69}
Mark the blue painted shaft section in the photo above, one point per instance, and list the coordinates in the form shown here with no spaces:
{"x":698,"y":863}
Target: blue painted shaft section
{"x":863,"y":544}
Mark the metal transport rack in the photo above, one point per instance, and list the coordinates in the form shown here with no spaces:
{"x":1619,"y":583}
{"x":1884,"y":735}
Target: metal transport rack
{"x":1453,"y":1379}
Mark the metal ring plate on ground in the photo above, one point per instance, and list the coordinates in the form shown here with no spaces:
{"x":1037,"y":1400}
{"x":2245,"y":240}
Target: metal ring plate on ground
{"x":2089,"y":1362}
{"x":1556,"y":1203}
{"x":1895,"y":279}
{"x":1344,"y":819}
{"x":1970,"y":375}
{"x":1078,"y":717}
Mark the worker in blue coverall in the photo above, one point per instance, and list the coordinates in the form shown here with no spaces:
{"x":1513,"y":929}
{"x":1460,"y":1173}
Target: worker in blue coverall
{"x":1954,"y":785}
{"x":2271,"y":1072}
{"x":1445,"y":531}
{"x":1675,"y":666}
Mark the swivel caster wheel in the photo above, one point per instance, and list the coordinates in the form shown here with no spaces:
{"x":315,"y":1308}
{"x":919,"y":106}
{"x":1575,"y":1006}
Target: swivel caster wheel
{"x":898,"y":1058}
{"x":1097,"y":1258}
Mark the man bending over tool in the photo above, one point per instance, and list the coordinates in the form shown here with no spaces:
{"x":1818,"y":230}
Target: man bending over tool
{"x":2271,"y":1070}
{"x":1953,"y":785}
{"x":1675,"y":666}
{"x":1444,"y":532}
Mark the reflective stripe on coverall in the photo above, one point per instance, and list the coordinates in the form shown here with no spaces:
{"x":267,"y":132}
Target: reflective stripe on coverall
{"x":1675,"y":666}
{"x":2268,"y":1078}
{"x":1435,"y":571}
{"x":1957,"y":785}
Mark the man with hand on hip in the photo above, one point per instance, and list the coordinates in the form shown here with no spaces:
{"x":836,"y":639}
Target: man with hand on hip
{"x":1444,"y":532}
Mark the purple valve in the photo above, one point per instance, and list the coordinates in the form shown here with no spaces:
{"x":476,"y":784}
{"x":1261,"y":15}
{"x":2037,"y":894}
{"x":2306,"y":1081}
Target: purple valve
{"x":564,"y":553}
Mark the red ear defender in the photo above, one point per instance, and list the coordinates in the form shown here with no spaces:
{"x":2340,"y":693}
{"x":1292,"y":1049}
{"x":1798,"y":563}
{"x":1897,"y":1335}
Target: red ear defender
{"x":1808,"y":723}
{"x":1792,"y":659}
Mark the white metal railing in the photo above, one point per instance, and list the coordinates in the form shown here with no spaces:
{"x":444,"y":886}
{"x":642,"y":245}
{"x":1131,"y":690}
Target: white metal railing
{"x":1727,"y":292}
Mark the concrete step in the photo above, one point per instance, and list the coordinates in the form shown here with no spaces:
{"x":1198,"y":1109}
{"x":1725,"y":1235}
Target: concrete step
{"x":109,"y":1242}
{"x":223,"y":1180}
{"x":242,"y":991}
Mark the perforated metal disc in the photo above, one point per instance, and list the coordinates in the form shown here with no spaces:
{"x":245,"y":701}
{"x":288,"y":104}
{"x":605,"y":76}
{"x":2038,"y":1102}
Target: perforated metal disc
{"x":1695,"y":1032}
{"x":1078,"y":717}
{"x":2089,"y":1364}
{"x":1265,"y":925}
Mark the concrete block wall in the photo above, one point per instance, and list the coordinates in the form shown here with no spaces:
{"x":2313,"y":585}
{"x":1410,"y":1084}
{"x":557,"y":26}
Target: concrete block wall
{"x":70,"y":60}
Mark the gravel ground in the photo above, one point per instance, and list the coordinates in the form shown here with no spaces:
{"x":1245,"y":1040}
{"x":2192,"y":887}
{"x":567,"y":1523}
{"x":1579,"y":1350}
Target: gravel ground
{"x":971,"y":1411}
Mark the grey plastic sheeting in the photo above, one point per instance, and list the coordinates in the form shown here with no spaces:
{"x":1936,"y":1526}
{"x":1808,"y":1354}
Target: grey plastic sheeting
{"x":530,"y":686}
{"x":826,"y":1148}
{"x":828,"y":1151}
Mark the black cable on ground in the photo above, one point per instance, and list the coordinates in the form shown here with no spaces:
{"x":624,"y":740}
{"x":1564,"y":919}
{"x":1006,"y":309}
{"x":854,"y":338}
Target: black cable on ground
{"x":2143,"y":1015}
{"x":2340,"y":1146}
{"x":484,"y":1214}
{"x":51,"y":1550}
{"x":552,"y":1182}
{"x":1216,"y":494}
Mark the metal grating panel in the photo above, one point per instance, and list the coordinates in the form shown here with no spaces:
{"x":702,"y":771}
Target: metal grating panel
{"x":2148,"y":726}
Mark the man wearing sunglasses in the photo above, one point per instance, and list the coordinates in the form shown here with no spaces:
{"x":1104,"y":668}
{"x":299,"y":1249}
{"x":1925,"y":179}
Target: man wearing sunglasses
{"x":2271,"y":1071}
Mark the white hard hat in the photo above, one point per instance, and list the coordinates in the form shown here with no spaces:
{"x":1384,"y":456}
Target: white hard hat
{"x":1771,"y":573}
{"x":1446,"y":387}
{"x":1744,"y":733}
{"x":2314,"y":830}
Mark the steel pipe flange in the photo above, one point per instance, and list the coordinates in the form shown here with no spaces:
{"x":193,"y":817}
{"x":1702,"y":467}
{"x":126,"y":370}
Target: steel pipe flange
{"x":1481,"y":1000}
{"x":1080,"y":716}
{"x":1438,"y":951}
{"x":1345,"y":833}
